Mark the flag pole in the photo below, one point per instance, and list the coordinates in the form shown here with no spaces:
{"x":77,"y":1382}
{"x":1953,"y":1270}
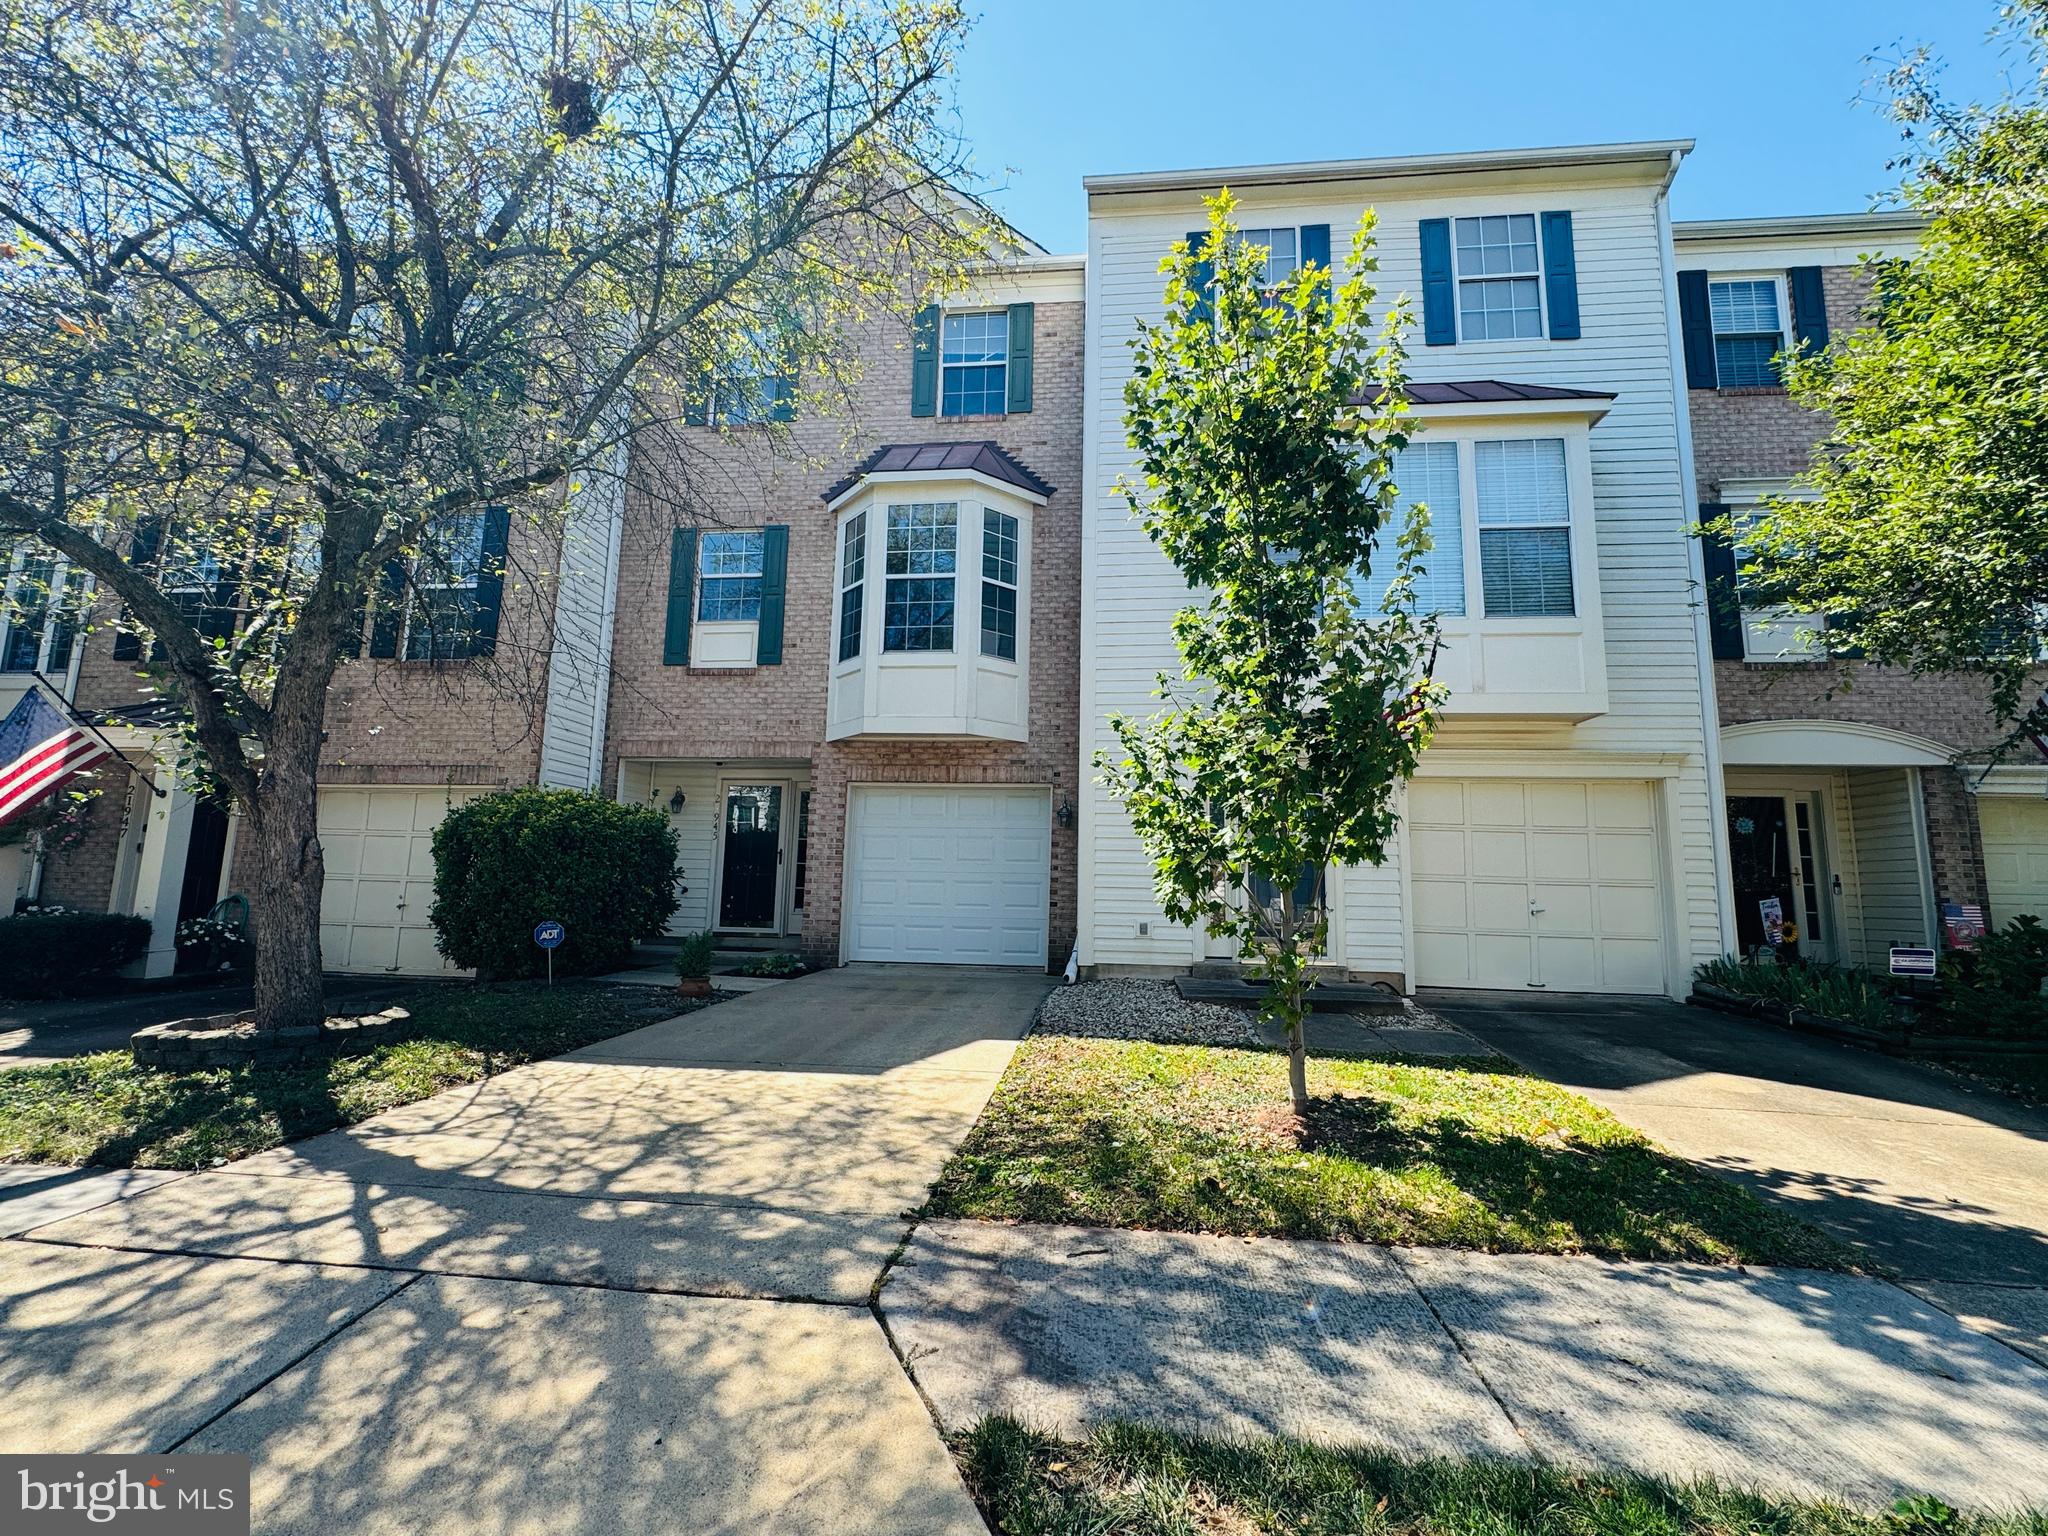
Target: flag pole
{"x":65,"y":705}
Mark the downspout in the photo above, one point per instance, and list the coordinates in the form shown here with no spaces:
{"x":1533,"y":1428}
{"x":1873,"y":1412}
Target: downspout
{"x":1710,"y":715}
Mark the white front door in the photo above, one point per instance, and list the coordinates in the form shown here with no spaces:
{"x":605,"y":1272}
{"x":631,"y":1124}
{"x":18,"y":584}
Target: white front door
{"x":379,"y":850}
{"x":1546,"y":883}
{"x":948,"y":875}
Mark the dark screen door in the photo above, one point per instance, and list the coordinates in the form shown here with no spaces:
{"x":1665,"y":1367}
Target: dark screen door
{"x":1760,"y":859}
{"x":752,"y":858}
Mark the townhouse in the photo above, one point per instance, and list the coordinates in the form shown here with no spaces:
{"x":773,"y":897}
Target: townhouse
{"x":863,"y":658}
{"x":1563,"y":831}
{"x":1858,"y":799}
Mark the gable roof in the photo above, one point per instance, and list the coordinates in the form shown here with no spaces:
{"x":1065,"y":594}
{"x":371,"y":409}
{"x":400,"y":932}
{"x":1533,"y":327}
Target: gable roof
{"x":935,"y":458}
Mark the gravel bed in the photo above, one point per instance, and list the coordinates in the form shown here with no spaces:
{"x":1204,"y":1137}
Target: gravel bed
{"x":1126,"y":1009}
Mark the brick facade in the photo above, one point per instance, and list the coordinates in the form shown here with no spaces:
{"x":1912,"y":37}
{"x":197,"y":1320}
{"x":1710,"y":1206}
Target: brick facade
{"x":1762,"y":433}
{"x":737,"y":479}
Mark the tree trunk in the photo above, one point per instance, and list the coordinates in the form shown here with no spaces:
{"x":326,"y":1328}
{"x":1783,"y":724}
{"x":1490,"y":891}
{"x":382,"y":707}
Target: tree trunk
{"x":1297,"y":1061}
{"x":286,"y":871}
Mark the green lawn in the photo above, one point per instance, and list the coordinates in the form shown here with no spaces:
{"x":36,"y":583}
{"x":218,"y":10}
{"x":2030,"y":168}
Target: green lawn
{"x":1471,"y":1154}
{"x":105,"y":1109}
{"x":1129,"y":1481}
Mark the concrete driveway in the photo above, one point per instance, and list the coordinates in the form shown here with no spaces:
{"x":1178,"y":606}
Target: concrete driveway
{"x":1942,"y":1180}
{"x":624,"y":1289}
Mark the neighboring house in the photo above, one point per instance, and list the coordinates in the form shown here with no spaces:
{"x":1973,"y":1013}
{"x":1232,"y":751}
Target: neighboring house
{"x":1856,"y":796}
{"x":847,"y":669}
{"x":1563,"y":831}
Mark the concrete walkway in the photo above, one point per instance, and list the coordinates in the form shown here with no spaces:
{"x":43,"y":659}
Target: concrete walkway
{"x":1810,"y":1383}
{"x":709,"y":1201}
{"x":1944,"y":1181}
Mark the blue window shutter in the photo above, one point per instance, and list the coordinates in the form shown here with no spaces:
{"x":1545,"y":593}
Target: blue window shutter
{"x":774,"y":583}
{"x":1022,"y":323}
{"x":1205,"y":274}
{"x":1696,"y":328}
{"x":1561,"y":276}
{"x":782,"y":397}
{"x":1439,"y":303}
{"x":149,"y":537}
{"x":1809,"y":308}
{"x":1724,"y":605}
{"x":390,"y":605}
{"x":682,"y":577}
{"x":1315,"y":244}
{"x":490,"y":581}
{"x":924,"y":362}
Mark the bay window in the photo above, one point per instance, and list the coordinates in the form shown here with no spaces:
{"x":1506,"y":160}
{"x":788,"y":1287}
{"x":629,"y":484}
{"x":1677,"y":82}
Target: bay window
{"x":998,"y":585}
{"x":920,"y":560}
{"x":853,"y":565}
{"x":1525,"y":543}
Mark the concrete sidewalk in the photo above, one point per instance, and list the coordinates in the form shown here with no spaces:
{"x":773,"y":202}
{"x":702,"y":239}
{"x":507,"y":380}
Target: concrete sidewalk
{"x":709,"y":1201}
{"x":1800,"y":1381}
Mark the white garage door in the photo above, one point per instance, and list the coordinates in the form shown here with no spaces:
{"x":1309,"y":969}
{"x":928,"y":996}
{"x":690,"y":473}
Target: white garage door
{"x":379,"y":847}
{"x":948,"y":876}
{"x":1546,"y":884}
{"x":2015,"y":832}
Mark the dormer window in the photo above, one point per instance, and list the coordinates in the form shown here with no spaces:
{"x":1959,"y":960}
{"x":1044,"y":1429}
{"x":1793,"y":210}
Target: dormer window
{"x":917,"y":600}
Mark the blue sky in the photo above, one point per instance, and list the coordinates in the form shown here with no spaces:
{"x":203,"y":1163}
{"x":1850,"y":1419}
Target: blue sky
{"x":1052,"y":90}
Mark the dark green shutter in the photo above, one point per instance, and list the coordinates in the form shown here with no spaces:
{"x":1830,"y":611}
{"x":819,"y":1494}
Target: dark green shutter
{"x":1204,"y":310}
{"x":924,"y":362}
{"x":682,"y":574}
{"x":390,"y":605}
{"x":1561,"y":276}
{"x":774,"y":583}
{"x":1022,"y":318}
{"x":1724,"y":604}
{"x":142,"y":551}
{"x":782,"y":397}
{"x":490,"y":581}
{"x":697,"y":404}
{"x":1439,"y":302}
{"x":1696,"y":329}
{"x":1809,"y":308}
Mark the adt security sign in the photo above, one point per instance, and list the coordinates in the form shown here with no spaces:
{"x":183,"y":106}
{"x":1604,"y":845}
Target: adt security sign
{"x":549,"y":936}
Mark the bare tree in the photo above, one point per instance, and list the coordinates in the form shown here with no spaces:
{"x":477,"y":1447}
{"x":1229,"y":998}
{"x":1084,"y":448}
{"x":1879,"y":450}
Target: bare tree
{"x":292,"y":291}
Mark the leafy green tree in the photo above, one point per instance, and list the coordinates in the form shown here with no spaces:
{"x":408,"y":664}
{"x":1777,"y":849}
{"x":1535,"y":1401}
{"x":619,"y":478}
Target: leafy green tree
{"x":1265,"y":419}
{"x":1926,"y":542}
{"x":288,"y":291}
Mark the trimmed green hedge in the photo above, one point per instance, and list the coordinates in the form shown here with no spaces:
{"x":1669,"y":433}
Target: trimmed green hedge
{"x":52,"y":953}
{"x":509,"y":860}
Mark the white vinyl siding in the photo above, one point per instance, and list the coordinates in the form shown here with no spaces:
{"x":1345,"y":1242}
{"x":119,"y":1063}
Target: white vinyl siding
{"x":586,"y":609}
{"x":1639,"y":508}
{"x":1890,"y":854}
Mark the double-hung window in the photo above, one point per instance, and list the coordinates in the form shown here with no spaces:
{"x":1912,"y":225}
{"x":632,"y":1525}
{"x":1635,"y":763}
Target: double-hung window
{"x":1499,"y":292}
{"x":998,"y":584}
{"x":40,"y":614}
{"x":1749,"y":331}
{"x":974,"y":364}
{"x":1427,"y":473}
{"x":1525,"y":538}
{"x":920,"y":560}
{"x":1283,"y":255}
{"x":729,"y":577}
{"x":853,"y":571}
{"x":444,"y":588}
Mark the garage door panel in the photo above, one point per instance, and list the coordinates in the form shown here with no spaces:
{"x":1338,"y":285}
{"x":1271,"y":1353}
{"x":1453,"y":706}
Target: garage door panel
{"x":386,"y":857}
{"x":1436,"y":802}
{"x":1584,"y":853}
{"x":379,"y":893}
{"x":2015,"y":834}
{"x":952,"y":876}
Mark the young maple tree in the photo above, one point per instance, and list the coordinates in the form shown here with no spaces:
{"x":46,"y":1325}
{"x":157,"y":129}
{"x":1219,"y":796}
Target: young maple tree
{"x":1265,"y":418}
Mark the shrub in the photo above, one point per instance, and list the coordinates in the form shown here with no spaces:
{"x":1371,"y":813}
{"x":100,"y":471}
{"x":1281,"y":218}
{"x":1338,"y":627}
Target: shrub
{"x":693,"y":960}
{"x":507,"y":861}
{"x":1850,"y":995}
{"x":774,"y":965}
{"x":1996,"y":990}
{"x":49,"y":952}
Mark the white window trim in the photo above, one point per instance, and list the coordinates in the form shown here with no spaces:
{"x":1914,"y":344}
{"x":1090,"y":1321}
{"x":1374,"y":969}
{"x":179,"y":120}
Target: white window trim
{"x":1778,"y":281}
{"x":841,"y":586}
{"x":422,"y":579}
{"x":704,"y":577}
{"x":1759,"y":623}
{"x":1460,"y":278}
{"x":1578,"y":523}
{"x":1016,"y":588}
{"x":888,"y":506}
{"x":1002,"y":312}
{"x":60,"y":576}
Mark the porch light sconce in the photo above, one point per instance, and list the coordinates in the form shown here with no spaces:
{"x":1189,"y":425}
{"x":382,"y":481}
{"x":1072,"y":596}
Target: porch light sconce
{"x":675,"y":803}
{"x":1065,"y":812}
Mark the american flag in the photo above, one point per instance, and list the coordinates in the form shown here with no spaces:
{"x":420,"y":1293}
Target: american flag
{"x":42,"y":748}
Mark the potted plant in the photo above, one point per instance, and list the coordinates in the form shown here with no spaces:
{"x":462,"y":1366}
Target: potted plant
{"x":693,"y":965}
